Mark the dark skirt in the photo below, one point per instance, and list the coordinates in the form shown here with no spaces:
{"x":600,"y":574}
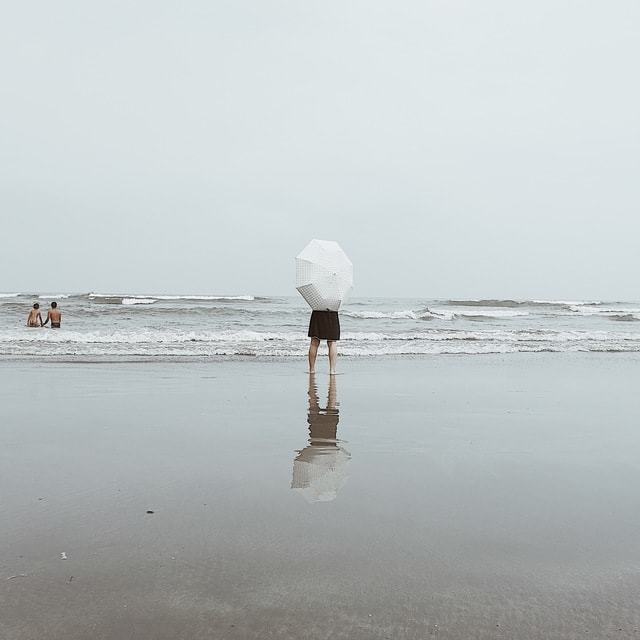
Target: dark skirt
{"x":324,"y":325}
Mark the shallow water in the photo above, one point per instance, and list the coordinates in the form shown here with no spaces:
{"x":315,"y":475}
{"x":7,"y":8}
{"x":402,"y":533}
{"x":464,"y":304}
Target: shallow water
{"x":491,"y":497}
{"x":267,"y":328}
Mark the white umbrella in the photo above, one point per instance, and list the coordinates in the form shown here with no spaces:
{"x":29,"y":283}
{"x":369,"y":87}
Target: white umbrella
{"x":324,"y":275}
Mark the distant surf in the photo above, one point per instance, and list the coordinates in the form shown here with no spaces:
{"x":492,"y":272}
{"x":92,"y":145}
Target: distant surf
{"x":124,"y":325}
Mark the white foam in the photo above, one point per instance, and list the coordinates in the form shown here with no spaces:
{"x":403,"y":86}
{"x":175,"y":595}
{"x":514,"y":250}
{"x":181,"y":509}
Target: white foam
{"x":440,"y":313}
{"x":370,"y":315}
{"x":407,"y":313}
{"x":566,"y":303}
{"x":604,"y":311}
{"x":213,"y":298}
{"x":9,"y":295}
{"x":248,"y":343}
{"x":378,"y":315}
{"x":479,"y":312}
{"x":138,"y":300}
{"x":169,"y":297}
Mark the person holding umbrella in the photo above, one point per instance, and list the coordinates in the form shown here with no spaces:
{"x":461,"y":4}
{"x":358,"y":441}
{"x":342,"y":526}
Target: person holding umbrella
{"x":324,"y":278}
{"x":324,"y":325}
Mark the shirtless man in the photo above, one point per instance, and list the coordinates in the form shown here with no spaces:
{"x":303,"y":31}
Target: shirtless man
{"x":54,"y":315}
{"x":35,"y":317}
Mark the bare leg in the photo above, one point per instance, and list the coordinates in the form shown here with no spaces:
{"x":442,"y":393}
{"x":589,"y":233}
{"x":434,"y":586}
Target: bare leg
{"x":333,"y":356}
{"x":313,"y":352}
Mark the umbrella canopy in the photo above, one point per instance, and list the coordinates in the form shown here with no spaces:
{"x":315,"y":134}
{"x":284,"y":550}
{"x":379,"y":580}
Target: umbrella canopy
{"x":324,"y":275}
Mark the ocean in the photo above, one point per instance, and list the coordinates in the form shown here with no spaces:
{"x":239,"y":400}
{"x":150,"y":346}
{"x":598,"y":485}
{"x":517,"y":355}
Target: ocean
{"x":123,"y":326}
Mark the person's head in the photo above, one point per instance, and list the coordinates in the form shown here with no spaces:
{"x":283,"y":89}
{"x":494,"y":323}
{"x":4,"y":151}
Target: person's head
{"x":36,"y":305}
{"x":54,"y":304}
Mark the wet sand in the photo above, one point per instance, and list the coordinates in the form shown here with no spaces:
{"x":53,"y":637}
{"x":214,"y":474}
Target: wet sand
{"x":467,"y":497}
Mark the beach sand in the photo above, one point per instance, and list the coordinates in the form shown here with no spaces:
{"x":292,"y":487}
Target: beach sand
{"x":473,"y":497}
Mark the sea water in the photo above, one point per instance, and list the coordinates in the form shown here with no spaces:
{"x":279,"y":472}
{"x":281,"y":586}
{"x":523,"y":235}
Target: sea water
{"x":121,"y":326}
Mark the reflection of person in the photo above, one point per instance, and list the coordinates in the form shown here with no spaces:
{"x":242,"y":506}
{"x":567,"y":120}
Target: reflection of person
{"x":320,"y":469}
{"x":35,"y":317}
{"x":324,"y":325}
{"x":54,"y":315}
{"x":323,"y":423}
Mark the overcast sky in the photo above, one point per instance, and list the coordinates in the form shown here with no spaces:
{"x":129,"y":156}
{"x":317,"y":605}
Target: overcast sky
{"x":453,"y":148}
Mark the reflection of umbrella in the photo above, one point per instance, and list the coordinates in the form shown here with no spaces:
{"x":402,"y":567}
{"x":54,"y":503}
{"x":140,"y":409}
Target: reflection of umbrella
{"x":324,"y":275}
{"x":319,"y":472}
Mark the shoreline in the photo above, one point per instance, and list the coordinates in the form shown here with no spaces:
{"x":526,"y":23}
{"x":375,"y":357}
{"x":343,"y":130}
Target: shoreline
{"x":294,"y":359}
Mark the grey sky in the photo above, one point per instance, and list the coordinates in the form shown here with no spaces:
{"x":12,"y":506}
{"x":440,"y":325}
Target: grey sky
{"x":453,"y":148}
